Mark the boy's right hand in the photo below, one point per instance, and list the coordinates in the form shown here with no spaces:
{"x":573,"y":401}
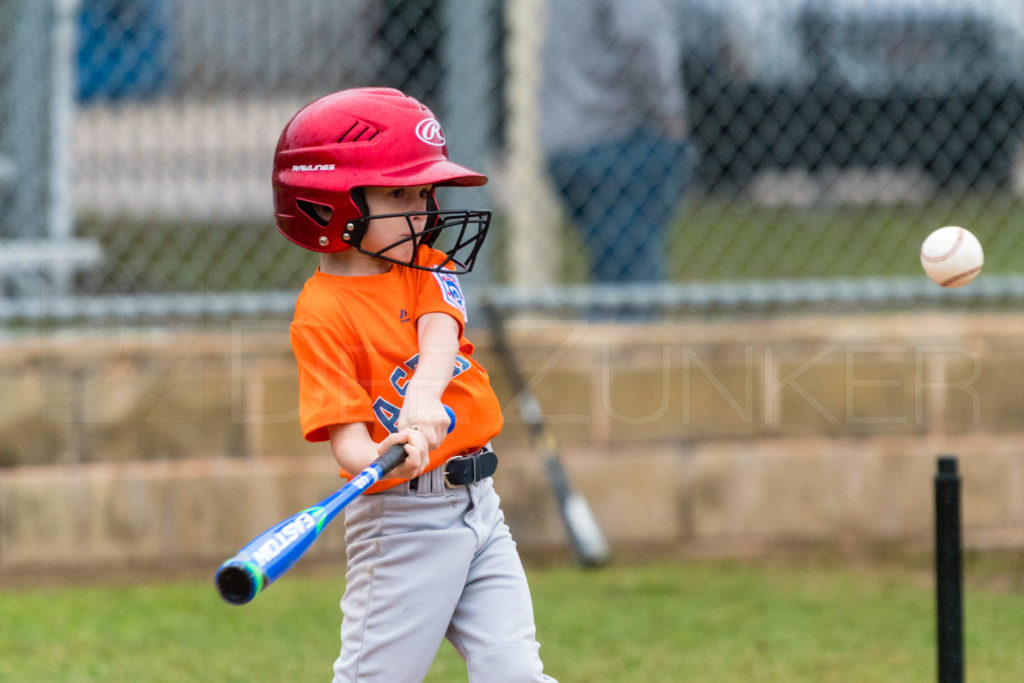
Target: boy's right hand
{"x":417,"y":452}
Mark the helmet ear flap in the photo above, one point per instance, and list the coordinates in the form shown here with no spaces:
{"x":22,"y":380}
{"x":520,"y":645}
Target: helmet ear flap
{"x":356,"y":228}
{"x":433,"y":220}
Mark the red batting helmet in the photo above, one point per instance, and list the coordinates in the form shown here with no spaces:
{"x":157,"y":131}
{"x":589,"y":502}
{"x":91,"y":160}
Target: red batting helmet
{"x":359,"y":138}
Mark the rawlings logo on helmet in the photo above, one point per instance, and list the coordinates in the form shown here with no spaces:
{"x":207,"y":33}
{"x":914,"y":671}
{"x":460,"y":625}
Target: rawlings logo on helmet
{"x":429,"y":131}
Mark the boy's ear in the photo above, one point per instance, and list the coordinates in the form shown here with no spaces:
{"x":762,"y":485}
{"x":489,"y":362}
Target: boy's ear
{"x":319,"y":213}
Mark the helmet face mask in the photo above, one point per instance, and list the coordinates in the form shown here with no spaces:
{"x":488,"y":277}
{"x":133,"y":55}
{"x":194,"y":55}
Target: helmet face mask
{"x":362,"y":137}
{"x":465,"y":229}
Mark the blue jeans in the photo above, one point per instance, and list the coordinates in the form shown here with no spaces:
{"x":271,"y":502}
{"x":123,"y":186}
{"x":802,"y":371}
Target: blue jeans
{"x":621,"y":194}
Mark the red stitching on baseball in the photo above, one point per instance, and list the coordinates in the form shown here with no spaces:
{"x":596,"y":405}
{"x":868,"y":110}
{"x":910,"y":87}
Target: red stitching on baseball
{"x":952,"y":250}
{"x":961,"y":276}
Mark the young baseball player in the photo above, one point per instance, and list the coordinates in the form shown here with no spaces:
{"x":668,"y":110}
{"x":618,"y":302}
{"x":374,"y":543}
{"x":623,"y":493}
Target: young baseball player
{"x":378,"y":334}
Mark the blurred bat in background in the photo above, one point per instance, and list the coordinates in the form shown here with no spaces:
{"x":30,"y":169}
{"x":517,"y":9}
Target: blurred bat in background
{"x":588,"y":541}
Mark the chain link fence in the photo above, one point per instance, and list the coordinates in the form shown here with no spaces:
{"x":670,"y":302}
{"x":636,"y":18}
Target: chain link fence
{"x":723,"y":151}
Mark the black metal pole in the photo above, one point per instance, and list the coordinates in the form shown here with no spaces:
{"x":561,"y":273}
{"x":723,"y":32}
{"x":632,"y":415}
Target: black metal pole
{"x":949,"y":572}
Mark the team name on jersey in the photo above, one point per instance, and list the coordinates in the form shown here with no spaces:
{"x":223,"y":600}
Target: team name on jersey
{"x":386,"y":411}
{"x":313,"y":167}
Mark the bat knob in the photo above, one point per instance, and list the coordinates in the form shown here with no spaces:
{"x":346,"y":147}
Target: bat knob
{"x":237,"y":584}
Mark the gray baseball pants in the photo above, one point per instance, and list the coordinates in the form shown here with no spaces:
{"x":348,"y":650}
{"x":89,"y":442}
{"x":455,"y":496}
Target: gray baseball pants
{"x":428,"y":564}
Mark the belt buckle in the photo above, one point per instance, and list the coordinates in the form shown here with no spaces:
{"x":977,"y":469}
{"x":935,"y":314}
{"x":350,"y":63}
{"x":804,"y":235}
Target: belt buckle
{"x":448,"y":483}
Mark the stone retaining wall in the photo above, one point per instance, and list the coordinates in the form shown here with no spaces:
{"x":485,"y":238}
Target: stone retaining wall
{"x":143,"y":447}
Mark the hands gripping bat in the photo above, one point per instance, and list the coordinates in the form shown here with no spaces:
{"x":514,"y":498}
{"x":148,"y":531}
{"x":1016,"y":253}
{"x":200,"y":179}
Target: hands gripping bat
{"x":588,"y":542}
{"x":265,"y":558}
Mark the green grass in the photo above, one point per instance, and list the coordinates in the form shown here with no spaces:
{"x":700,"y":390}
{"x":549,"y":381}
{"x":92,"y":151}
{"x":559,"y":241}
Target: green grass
{"x":811,"y":620}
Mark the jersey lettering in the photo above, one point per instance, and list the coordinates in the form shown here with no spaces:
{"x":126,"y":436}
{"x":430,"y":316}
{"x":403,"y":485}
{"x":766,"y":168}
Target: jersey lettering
{"x":387,"y":414}
{"x":400,"y":375}
{"x":461,"y":365}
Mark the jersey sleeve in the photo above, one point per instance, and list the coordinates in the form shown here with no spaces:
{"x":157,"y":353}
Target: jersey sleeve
{"x":329,"y":393}
{"x":441,"y":292}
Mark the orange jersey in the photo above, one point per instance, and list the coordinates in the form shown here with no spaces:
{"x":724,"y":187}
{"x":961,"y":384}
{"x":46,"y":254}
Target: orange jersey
{"x":356,"y":345}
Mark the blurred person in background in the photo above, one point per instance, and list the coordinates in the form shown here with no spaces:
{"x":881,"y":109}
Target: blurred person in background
{"x":613,"y":128}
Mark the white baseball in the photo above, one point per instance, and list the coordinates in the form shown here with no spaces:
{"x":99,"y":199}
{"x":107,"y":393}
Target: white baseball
{"x":952,"y":256}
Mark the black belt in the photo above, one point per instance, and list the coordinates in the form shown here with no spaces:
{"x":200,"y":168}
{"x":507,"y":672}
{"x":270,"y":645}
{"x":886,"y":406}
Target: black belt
{"x":463,"y":470}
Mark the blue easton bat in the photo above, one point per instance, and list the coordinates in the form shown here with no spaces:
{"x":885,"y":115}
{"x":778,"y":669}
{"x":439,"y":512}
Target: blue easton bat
{"x":268,"y":556}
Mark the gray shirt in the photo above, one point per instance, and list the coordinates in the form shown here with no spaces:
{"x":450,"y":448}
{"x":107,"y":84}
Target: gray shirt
{"x":609,"y":67}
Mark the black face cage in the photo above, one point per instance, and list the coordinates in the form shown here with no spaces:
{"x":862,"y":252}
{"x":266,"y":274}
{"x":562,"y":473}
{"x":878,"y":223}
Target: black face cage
{"x":464,"y":233}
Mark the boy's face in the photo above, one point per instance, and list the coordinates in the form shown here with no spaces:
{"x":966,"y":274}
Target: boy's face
{"x":382,"y":232}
